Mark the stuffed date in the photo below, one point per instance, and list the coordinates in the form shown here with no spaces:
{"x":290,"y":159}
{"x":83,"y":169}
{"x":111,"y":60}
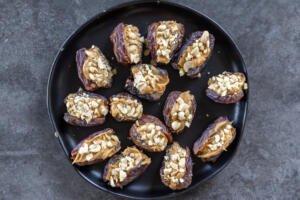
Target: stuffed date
{"x":124,"y":168}
{"x":215,"y":139}
{"x":124,"y":107}
{"x":147,"y":82}
{"x":93,"y":69}
{"x":164,"y":39}
{"x":179,"y":110}
{"x":177,"y":168}
{"x":194,"y":54}
{"x":96,"y":148}
{"x":227,"y":87}
{"x":127,"y":44}
{"x":85,"y":109}
{"x":150,"y":134}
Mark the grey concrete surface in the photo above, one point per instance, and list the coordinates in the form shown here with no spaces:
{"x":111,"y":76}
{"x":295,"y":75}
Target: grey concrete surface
{"x":267,"y":165}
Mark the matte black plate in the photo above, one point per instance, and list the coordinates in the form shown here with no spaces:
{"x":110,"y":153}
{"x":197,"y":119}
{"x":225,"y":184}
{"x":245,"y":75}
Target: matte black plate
{"x":63,"y":80}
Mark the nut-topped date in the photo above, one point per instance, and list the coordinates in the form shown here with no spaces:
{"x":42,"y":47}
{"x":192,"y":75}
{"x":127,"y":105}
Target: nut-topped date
{"x":164,"y":39}
{"x":124,"y":107}
{"x":127,"y":44}
{"x":215,"y":139}
{"x":177,"y":168}
{"x":227,"y":87}
{"x":85,"y":109}
{"x":125,"y":167}
{"x":179,"y":110}
{"x":194,"y":54}
{"x":147,"y":82}
{"x":150,"y":133}
{"x":96,"y":148}
{"x":93,"y":69}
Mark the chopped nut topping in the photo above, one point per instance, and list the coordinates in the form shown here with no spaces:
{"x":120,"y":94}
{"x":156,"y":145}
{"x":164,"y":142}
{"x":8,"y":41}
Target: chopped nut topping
{"x":125,"y":107}
{"x":133,"y":43}
{"x":148,"y":79}
{"x":99,"y":146}
{"x":215,"y":139}
{"x":227,"y":83}
{"x":166,"y":35}
{"x":85,"y":107}
{"x":175,"y":166}
{"x":195,"y":54}
{"x":181,"y":113}
{"x":152,"y":135}
{"x":130,"y":159}
{"x":96,"y":67}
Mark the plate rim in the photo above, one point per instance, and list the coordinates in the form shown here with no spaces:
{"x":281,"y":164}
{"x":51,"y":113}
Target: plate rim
{"x":101,"y":14}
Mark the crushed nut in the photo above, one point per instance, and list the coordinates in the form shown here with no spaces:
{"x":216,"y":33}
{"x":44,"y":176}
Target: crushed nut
{"x":95,"y":148}
{"x":133,"y":43}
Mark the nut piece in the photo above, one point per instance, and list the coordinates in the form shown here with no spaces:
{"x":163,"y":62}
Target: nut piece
{"x":125,"y":167}
{"x":215,"y":139}
{"x":128,"y":44}
{"x":194,"y":54}
{"x":177,"y":168}
{"x":97,"y":147}
{"x":179,"y":110}
{"x":85,"y":109}
{"x":164,"y":39}
{"x":227,"y":87}
{"x":124,"y":107}
{"x":147,"y":82}
{"x":93,"y":69}
{"x":150,"y":133}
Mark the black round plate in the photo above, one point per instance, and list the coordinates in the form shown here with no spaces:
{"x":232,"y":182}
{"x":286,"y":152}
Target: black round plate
{"x":63,"y":80}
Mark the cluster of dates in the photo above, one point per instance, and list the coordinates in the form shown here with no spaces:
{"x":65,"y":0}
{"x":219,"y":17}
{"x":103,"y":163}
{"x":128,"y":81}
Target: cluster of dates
{"x":149,"y":82}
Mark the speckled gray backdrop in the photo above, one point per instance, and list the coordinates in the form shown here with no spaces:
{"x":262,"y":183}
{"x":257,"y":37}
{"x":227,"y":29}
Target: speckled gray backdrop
{"x":267,"y":165}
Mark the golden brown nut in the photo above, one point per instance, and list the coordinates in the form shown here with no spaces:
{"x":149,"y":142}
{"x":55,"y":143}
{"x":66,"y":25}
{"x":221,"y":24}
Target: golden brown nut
{"x":85,"y":109}
{"x":125,"y":167}
{"x":96,"y":148}
{"x":128,"y":44}
{"x":93,"y":69}
{"x":215,"y":139}
{"x":150,"y":133}
{"x":227,"y":87}
{"x":147,"y":82}
{"x":179,"y":110}
{"x":194,"y":54}
{"x":164,"y":39}
{"x":177,"y":169}
{"x":124,"y":107}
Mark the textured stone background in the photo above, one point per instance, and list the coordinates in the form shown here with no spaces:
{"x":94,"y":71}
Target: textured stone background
{"x":267,"y":165}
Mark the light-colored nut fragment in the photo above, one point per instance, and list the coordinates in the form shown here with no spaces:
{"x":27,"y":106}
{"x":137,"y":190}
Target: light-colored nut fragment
{"x":133,"y":43}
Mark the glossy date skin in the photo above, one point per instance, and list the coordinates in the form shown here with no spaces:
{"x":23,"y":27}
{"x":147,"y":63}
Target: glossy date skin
{"x":137,"y":138}
{"x":100,"y":158}
{"x":153,"y":43}
{"x":194,"y":72}
{"x":81,"y":62}
{"x":201,"y":143}
{"x":73,"y":120}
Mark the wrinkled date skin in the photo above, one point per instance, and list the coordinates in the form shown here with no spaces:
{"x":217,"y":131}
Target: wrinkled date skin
{"x":200,"y":146}
{"x":136,"y":136}
{"x":128,"y":97}
{"x":187,"y":178}
{"x":120,"y":43}
{"x":171,"y":100}
{"x":133,"y":174}
{"x":195,"y":71}
{"x":117,"y":38}
{"x":152,"y":42}
{"x":115,"y":149}
{"x":73,"y":120}
{"x":228,"y":98}
{"x":129,"y":85}
{"x":88,"y":84}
